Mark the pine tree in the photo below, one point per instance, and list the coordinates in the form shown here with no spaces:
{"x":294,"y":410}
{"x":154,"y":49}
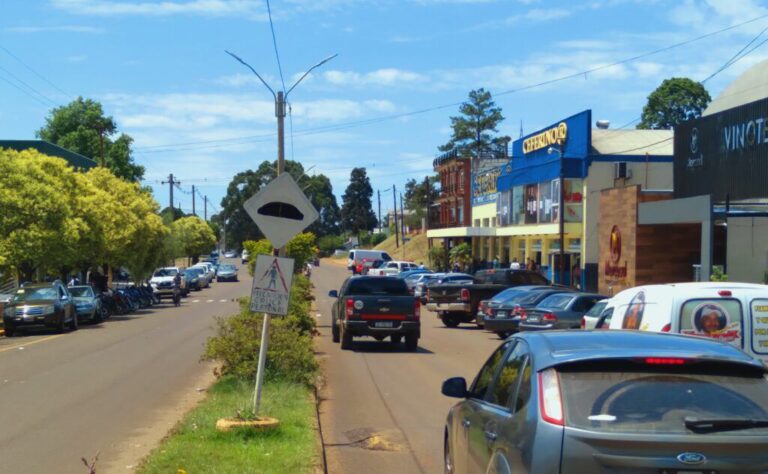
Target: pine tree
{"x":472,"y":129}
{"x":356,"y":211}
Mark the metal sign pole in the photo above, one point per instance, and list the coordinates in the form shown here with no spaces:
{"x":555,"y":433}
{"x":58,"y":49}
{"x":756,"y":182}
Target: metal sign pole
{"x":262,"y":361}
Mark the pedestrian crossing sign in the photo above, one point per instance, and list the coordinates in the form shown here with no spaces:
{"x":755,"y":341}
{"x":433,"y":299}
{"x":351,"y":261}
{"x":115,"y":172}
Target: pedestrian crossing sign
{"x":271,"y":288}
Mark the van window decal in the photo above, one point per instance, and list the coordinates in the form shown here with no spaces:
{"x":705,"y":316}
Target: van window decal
{"x":633,"y":316}
{"x":718,"y":319}
{"x":759,"y":309}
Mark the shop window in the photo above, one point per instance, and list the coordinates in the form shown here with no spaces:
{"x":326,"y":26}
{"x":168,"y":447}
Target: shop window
{"x":461,"y":215}
{"x":532,"y":204}
{"x":486,"y":222}
{"x":477,"y":223}
{"x":493,"y":222}
{"x":555,"y":195}
{"x":545,"y":202}
{"x":517,"y":204}
{"x":574,"y":200}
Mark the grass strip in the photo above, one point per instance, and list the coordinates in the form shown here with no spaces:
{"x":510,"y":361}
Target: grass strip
{"x":195,"y":446}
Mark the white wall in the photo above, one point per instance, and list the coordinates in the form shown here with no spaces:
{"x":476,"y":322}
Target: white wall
{"x":747,"y":249}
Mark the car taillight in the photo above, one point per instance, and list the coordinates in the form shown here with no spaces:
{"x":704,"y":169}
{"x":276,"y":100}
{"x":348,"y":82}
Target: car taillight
{"x":724,"y":293}
{"x":416,"y":309}
{"x":667,"y":327}
{"x":664,"y":361}
{"x":583,"y":323}
{"x":548,"y":317}
{"x":350,"y":307}
{"x":550,"y":399}
{"x":464,"y":294}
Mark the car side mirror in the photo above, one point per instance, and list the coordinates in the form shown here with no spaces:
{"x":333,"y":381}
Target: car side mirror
{"x":455,"y":387}
{"x":333,"y":294}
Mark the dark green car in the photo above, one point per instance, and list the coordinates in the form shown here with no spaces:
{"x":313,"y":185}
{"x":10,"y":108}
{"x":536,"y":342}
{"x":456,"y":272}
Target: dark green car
{"x":41,"y":305}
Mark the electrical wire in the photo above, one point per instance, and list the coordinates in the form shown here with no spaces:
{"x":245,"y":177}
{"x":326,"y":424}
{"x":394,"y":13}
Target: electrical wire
{"x":342,"y":126}
{"x":274,"y":43}
{"x":29,"y":68}
{"x":736,"y":57}
{"x":37,"y":99}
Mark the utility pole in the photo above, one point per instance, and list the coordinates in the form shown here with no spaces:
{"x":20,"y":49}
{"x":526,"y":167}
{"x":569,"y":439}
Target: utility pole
{"x":562,"y":218}
{"x":394,"y":210}
{"x":171,"y":182}
{"x":193,"y":201}
{"x":205,"y":211}
{"x":378,"y":195}
{"x":402,"y":224}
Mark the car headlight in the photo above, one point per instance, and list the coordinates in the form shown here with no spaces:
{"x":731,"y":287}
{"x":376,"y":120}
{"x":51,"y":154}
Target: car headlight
{"x":49,"y":309}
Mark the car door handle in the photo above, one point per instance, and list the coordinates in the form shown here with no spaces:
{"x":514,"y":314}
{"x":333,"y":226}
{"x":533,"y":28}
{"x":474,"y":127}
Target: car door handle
{"x":490,"y":435}
{"x":466,"y":423}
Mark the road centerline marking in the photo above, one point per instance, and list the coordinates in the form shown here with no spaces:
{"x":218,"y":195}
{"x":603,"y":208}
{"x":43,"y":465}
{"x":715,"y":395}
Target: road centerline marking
{"x":5,"y":349}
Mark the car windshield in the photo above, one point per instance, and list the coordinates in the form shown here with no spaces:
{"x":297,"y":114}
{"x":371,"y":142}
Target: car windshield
{"x":627,"y":399}
{"x":31,"y":294}
{"x":197,"y":270}
{"x":166,"y":272}
{"x":556,"y":301}
{"x":595,"y":310}
{"x":378,"y":286}
{"x":81,"y":291}
{"x":227,"y":268}
{"x":191,"y":274}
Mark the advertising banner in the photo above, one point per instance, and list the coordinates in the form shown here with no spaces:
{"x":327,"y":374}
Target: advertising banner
{"x":531,"y":203}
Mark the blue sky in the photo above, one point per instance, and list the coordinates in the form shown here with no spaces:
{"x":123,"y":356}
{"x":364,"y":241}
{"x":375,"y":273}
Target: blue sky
{"x":160,"y":69}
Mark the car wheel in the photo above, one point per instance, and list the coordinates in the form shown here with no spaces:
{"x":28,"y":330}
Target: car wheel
{"x":97,"y":316}
{"x":503,"y":334}
{"x":61,"y":326}
{"x":411,"y":342}
{"x":450,"y":321}
{"x":449,"y":468}
{"x":73,"y":323}
{"x":335,"y":332}
{"x":10,"y":330}
{"x":396,"y":338}
{"x":346,"y":339}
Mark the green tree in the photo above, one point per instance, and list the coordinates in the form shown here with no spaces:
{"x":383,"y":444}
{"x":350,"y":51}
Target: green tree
{"x":82,"y":127}
{"x":473,"y":130}
{"x":329,"y":243}
{"x":194,"y":237}
{"x":356,"y":212}
{"x":319,"y":190}
{"x":461,"y":254}
{"x":300,"y":248}
{"x":418,"y":196}
{"x":676,"y":100}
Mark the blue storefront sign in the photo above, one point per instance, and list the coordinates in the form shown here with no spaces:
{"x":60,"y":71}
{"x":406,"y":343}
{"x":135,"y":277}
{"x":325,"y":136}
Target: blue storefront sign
{"x":536,"y":157}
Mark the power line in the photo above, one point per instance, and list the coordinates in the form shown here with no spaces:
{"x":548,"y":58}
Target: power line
{"x":342,"y":126}
{"x":29,"y":68}
{"x":37,"y":99}
{"x":274,"y":43}
{"x":736,"y":57}
{"x":25,"y":84}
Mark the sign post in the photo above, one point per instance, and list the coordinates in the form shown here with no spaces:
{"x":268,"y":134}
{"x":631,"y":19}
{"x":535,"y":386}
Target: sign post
{"x":280,"y":210}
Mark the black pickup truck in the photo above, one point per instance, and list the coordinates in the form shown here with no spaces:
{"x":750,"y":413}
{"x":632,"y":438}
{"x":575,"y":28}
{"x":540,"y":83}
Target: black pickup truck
{"x":457,"y":303}
{"x":379,"y":307}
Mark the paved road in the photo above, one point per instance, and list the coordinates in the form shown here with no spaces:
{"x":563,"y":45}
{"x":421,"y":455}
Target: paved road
{"x":92,"y":391}
{"x":387,"y":395}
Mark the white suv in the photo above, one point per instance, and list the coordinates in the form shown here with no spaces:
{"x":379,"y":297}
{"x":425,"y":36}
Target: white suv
{"x":393,"y":268}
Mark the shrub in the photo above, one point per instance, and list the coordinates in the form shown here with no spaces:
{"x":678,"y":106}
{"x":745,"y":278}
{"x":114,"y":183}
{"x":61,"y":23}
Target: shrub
{"x":376,"y":239}
{"x":329,"y":243}
{"x":289,"y":356}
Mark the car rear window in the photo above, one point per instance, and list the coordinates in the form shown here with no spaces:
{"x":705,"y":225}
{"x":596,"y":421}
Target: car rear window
{"x":556,"y":301}
{"x":719,"y":319}
{"x":596,"y":310}
{"x":630,"y":400}
{"x":378,"y":286}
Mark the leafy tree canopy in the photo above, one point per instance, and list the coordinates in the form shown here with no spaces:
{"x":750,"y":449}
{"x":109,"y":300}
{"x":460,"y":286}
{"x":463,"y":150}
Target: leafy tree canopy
{"x":474,"y":130}
{"x":676,"y":100}
{"x":79,"y":127}
{"x":356,"y":212}
{"x":193,"y":236}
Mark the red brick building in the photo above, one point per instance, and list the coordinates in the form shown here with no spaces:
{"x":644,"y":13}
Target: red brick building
{"x":453,"y":208}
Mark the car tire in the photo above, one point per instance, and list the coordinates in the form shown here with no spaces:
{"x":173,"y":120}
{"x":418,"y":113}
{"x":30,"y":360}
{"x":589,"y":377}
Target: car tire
{"x":503,"y":334}
{"x":411,"y":342}
{"x":10,"y":330}
{"x":346,"y":339}
{"x":73,"y":323}
{"x":450,"y":321}
{"x":335,"y":332}
{"x":396,"y":338}
{"x":448,"y":466}
{"x":61,"y":326}
{"x":97,"y":316}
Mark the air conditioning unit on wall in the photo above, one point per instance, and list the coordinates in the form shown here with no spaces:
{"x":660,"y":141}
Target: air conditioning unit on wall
{"x":621,"y":170}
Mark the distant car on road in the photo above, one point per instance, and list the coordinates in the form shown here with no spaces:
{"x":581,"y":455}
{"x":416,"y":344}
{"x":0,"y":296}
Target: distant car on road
{"x":193,"y":277}
{"x":244,"y":256}
{"x":559,"y":311}
{"x":162,"y":282}
{"x":226,"y":273}
{"x":505,"y":317}
{"x":203,"y":277}
{"x":378,"y":307}
{"x":43,"y":304}
{"x":609,"y":401}
{"x":230,"y":254}
{"x":87,"y":305}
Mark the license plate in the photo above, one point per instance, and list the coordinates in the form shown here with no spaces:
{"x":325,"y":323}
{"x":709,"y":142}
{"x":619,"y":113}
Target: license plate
{"x":501,"y":314}
{"x":383,"y":324}
{"x":534,"y":319}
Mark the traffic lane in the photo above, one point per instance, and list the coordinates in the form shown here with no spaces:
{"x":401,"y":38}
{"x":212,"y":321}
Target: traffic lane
{"x":378,"y":388}
{"x":88,"y":391}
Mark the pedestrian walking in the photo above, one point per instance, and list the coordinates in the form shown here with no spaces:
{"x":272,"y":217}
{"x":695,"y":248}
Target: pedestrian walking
{"x":515,"y":265}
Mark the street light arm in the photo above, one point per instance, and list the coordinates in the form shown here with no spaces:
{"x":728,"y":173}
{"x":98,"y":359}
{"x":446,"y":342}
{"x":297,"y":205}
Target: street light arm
{"x":308,"y":71}
{"x":252,"y":70}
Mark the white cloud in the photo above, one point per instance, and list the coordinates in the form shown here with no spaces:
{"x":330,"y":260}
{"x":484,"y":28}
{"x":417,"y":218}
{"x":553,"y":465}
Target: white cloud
{"x":247,"y":8}
{"x":55,"y":29}
{"x":379,"y":77}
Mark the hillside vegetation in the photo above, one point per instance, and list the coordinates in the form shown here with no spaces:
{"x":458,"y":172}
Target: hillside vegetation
{"x":415,"y":248}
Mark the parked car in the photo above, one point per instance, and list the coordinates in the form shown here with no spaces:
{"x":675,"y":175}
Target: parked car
{"x":356,"y":256}
{"x":487,"y":306}
{"x":559,"y":311}
{"x":162,"y":282}
{"x":244,"y":256}
{"x":209,"y":270}
{"x":87,"y":305}
{"x":393,"y":268}
{"x":609,"y":401}
{"x":590,"y":318}
{"x":504,"y":318}
{"x":203,"y":275}
{"x":457,"y":303}
{"x":736,"y":313}
{"x":412,"y":277}
{"x":195,"y":282}
{"x":227,"y":273}
{"x":379,"y":307}
{"x":230,"y":254}
{"x":44,"y":304}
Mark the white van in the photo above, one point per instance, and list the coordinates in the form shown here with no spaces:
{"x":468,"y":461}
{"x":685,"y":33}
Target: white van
{"x":357,"y":255}
{"x":735,"y":313}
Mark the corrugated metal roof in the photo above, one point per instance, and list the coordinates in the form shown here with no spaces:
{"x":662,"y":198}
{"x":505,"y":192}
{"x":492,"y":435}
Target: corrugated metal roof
{"x":75,"y":159}
{"x":751,"y":86}
{"x":632,"y":142}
